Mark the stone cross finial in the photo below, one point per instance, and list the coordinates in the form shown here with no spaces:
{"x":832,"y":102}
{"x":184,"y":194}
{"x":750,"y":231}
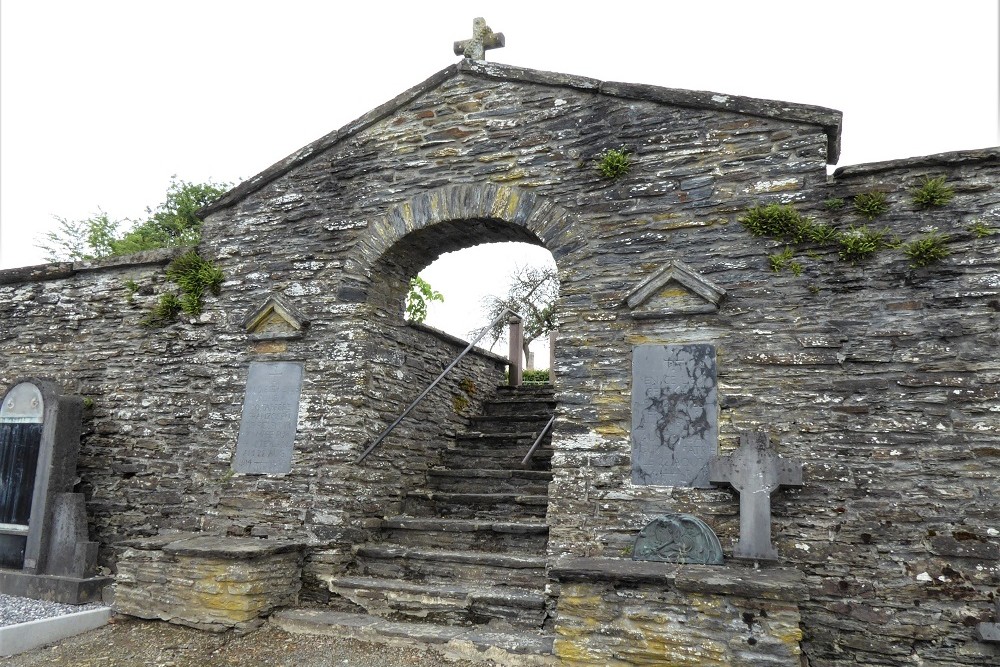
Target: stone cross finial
{"x":483,"y":39}
{"x":755,"y":471}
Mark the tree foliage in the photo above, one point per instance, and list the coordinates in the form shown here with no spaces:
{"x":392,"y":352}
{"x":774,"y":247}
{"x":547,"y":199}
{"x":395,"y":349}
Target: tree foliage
{"x":421,"y":293}
{"x":173,"y":223}
{"x":532,"y":294}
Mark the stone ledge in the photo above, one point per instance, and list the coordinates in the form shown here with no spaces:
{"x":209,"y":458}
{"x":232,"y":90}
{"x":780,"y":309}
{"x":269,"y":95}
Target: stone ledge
{"x":782,"y":584}
{"x":949,"y":159}
{"x":458,"y":342}
{"x":213,"y":546}
{"x":57,"y":270}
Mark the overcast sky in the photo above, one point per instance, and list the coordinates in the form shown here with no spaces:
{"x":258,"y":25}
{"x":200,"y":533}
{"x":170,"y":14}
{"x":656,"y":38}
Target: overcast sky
{"x":101,"y":102}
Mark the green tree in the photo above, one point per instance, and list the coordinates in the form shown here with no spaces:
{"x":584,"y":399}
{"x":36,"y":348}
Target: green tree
{"x":532,"y":294}
{"x":421,"y":293}
{"x":173,"y":223}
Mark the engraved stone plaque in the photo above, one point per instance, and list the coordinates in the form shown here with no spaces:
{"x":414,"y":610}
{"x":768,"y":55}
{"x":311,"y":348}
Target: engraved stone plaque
{"x":270,"y":416}
{"x":675,"y":422}
{"x":678,"y":538}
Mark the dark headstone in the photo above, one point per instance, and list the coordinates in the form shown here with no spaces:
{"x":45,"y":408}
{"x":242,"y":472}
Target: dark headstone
{"x":43,"y":534}
{"x":270,"y":418}
{"x":674,"y":414}
{"x":755,"y":471}
{"x":70,"y":553}
{"x":678,"y":538}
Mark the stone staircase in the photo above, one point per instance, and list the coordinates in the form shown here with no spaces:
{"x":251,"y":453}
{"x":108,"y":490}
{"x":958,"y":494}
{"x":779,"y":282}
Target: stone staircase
{"x":467,"y":555}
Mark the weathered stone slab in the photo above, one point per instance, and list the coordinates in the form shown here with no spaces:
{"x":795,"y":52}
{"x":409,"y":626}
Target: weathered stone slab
{"x":678,"y":538}
{"x":270,"y":418}
{"x":674,"y":414}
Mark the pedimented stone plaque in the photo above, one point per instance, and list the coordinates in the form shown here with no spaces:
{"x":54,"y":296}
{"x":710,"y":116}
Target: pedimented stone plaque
{"x":270,"y":417}
{"x":675,"y":422}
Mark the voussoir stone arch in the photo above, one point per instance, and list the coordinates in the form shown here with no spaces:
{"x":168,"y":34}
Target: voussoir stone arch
{"x":492,"y":213}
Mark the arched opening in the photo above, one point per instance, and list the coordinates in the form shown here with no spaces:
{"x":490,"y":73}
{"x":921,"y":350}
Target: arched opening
{"x":476,"y":281}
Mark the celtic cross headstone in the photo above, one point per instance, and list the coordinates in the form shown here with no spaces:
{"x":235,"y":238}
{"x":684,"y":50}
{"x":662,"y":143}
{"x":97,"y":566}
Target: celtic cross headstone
{"x":755,"y":471}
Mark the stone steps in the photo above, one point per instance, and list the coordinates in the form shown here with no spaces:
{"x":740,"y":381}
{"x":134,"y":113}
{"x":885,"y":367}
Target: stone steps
{"x":505,"y":648}
{"x":468,"y":550}
{"x":505,"y":480}
{"x":508,"y":607}
{"x":474,"y":505}
{"x":446,"y":566}
{"x":474,"y":534}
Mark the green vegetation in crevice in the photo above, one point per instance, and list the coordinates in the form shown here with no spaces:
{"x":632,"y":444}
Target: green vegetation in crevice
{"x":833,"y":204}
{"x":614,"y":163}
{"x":859,"y":243}
{"x":980,"y":229}
{"x":194,"y":277}
{"x":927,"y":249}
{"x":459,"y":404}
{"x":933,"y":192}
{"x":131,"y":287}
{"x":871,"y":204}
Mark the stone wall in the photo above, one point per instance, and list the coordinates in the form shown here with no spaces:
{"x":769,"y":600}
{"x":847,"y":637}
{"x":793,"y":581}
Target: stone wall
{"x":163,"y":407}
{"x":883,"y":379}
{"x":615,"y":612}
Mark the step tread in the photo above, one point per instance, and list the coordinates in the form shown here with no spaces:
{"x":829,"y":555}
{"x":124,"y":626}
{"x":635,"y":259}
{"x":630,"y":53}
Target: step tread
{"x":511,"y":595}
{"x":454,"y":497}
{"x":492,"y":473}
{"x":373,"y":628}
{"x":471,"y":557}
{"x":463,"y":525}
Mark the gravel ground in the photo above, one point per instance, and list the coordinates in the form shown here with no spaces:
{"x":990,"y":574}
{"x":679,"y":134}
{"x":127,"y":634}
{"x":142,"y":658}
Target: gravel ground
{"x":132,"y":642}
{"x":15,"y":610}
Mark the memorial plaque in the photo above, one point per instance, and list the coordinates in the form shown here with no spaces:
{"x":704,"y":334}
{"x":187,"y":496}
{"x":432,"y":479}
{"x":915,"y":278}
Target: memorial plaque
{"x":270,"y":417}
{"x":675,"y":421}
{"x":678,"y":538}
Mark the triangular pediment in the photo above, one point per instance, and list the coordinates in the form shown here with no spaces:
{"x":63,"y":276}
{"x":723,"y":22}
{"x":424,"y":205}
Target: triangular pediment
{"x":675,"y":289}
{"x":275,"y":319}
{"x":828,"y":120}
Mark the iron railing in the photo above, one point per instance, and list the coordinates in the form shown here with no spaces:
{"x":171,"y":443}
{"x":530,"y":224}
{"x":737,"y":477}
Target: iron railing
{"x":538,"y":440}
{"x":514,"y":375}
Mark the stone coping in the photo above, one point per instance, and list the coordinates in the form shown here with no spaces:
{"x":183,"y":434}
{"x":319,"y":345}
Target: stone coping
{"x":782,"y":584}
{"x":949,"y":159}
{"x":828,"y":119}
{"x":214,"y":546}
{"x":57,"y":270}
{"x":459,"y":342}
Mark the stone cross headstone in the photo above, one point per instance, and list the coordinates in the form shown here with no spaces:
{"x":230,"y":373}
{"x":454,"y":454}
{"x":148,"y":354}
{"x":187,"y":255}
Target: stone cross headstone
{"x":483,"y":40}
{"x":675,"y":421}
{"x":270,"y":418}
{"x":755,"y":471}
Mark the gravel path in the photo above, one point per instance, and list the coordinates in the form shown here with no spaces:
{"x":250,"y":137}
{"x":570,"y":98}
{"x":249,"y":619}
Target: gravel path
{"x":129,"y":642}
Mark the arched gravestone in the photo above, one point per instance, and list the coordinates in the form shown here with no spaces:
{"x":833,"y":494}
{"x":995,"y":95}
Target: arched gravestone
{"x":678,"y":538}
{"x":20,"y":440}
{"x":43,"y":527}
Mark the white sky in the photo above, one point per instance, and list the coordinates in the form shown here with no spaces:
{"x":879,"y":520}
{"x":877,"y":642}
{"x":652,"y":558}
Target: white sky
{"x":101,"y":102}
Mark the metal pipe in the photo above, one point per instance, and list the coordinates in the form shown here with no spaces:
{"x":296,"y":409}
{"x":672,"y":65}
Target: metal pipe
{"x":538,"y":441}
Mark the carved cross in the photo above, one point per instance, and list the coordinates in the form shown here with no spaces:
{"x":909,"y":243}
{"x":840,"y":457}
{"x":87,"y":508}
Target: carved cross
{"x":755,"y":471}
{"x":483,"y":39}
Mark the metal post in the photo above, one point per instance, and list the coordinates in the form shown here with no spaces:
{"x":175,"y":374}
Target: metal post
{"x":552,"y":357}
{"x":516,"y":337}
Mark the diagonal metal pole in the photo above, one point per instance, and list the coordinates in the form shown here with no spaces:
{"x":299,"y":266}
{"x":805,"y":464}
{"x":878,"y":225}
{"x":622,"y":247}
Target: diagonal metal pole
{"x":440,"y":377}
